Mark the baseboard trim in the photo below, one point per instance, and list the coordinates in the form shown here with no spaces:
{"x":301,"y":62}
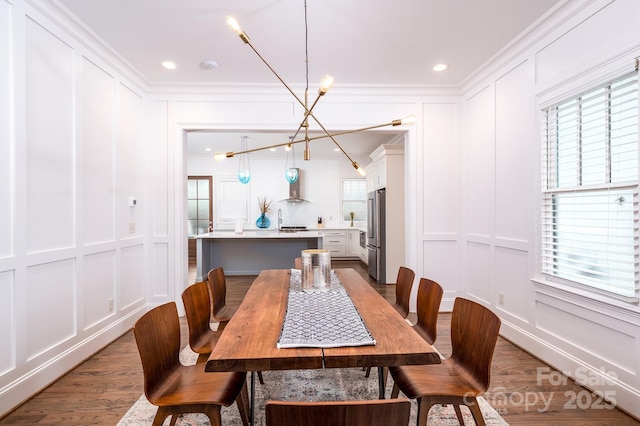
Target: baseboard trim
{"x":29,"y":384}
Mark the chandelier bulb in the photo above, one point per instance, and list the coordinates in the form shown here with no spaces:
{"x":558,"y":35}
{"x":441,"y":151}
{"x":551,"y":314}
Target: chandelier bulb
{"x":409,"y":119}
{"x":233,"y":23}
{"x":325,"y":84}
{"x":359,"y":169}
{"x":219,"y":156}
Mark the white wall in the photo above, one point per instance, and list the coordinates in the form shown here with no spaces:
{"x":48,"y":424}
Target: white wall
{"x":500,"y":197}
{"x":81,"y":133}
{"x":72,"y":151}
{"x":320,"y":184}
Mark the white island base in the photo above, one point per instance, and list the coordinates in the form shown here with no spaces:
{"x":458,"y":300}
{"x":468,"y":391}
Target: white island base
{"x":252,"y":251}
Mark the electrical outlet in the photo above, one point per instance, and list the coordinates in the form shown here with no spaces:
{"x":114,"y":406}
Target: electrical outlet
{"x":501,"y":298}
{"x":132,"y":227}
{"x":110,"y":301}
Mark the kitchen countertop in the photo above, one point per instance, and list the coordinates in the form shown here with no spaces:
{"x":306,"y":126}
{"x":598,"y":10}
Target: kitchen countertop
{"x":269,"y":233}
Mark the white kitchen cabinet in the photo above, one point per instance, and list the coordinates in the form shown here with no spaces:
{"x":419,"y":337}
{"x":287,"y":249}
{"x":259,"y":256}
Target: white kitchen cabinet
{"x":377,"y":172}
{"x":353,"y":249}
{"x":387,"y":171}
{"x":336,"y":242}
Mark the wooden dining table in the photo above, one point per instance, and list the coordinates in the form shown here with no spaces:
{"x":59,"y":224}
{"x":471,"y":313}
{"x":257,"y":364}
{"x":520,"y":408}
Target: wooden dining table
{"x":249,"y":341}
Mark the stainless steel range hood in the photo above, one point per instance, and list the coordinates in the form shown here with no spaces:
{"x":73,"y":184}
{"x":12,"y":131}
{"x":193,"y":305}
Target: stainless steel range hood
{"x":294,"y":191}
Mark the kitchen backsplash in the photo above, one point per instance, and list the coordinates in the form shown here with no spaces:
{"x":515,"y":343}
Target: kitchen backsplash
{"x":321,"y":183}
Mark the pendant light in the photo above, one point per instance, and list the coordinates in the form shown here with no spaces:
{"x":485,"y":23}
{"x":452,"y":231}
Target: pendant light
{"x":244,"y":168}
{"x":325,"y":84}
{"x":290,"y":173}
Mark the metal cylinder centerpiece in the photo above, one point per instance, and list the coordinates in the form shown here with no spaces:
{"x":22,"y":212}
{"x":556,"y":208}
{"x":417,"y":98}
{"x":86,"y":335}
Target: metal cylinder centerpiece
{"x":316,"y":270}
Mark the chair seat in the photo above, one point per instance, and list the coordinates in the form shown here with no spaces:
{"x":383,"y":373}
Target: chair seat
{"x":446,"y":378}
{"x":205,"y":343}
{"x":225,"y":313}
{"x":190,"y":385}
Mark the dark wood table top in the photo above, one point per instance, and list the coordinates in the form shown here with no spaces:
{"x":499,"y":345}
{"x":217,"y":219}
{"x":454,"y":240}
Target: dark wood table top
{"x":249,"y":340}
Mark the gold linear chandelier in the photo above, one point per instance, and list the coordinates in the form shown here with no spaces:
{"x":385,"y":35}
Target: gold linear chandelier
{"x":325,"y":85}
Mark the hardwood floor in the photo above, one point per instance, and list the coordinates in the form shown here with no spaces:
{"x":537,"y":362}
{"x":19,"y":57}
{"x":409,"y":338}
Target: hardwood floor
{"x":101,"y":389}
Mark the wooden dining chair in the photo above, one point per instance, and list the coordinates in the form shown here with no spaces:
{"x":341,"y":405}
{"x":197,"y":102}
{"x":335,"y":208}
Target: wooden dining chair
{"x":175,"y":388}
{"x":428,"y":308}
{"x":381,"y":412}
{"x":220,"y":311}
{"x":297,"y":263}
{"x":462,"y":377}
{"x":404,"y":282}
{"x":197,"y":306}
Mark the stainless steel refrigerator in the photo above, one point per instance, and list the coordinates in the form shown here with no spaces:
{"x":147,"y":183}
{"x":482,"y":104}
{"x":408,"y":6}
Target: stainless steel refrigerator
{"x":376,"y":235}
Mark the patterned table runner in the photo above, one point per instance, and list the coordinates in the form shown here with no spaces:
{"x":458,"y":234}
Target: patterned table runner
{"x":321,"y":319}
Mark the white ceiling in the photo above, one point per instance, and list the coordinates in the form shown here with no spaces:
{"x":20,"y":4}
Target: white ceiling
{"x":377,"y":42}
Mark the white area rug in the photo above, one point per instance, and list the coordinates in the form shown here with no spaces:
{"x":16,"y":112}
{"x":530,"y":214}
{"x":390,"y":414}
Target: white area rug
{"x":306,"y":385}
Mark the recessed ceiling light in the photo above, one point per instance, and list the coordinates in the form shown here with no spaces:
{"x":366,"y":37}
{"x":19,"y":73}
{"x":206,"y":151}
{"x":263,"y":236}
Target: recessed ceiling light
{"x":208,"y":149}
{"x":208,"y":65}
{"x":272,"y":149}
{"x":440,"y":67}
{"x":169,"y":65}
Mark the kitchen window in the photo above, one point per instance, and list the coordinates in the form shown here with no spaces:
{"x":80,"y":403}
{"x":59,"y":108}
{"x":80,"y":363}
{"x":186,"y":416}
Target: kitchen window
{"x":590,"y":190}
{"x":354,"y":199}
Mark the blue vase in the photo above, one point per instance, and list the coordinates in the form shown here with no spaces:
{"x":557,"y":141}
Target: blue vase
{"x":263,"y":221}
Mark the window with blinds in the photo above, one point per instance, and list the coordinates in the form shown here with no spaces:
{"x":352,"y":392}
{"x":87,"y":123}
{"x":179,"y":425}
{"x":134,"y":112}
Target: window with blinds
{"x":590,"y":189}
{"x":354,"y":199}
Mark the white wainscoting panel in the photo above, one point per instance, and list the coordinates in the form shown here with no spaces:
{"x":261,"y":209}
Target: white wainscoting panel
{"x":7,"y":322}
{"x":130,"y":167}
{"x":160,"y":166}
{"x":477,"y":273}
{"x":160,"y":278}
{"x":6,"y":147}
{"x":50,"y":141}
{"x":98,"y":288}
{"x":97,"y":140}
{"x":229,"y":113}
{"x":580,"y":329}
{"x":358,"y":114}
{"x":479,"y":188}
{"x":512,"y":280}
{"x":439,"y":256}
{"x":514,"y":154}
{"x":132,"y":276}
{"x":51,"y":305}
{"x":440,"y":169}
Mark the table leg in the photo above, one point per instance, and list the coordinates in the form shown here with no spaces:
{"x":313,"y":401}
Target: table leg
{"x":381,"y":383}
{"x":252,"y":397}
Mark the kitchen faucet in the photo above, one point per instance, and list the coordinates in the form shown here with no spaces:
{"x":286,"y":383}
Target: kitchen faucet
{"x":279,"y":219}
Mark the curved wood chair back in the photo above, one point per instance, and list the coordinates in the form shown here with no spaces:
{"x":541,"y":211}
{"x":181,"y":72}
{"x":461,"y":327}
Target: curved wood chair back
{"x":197,"y":306}
{"x":428,"y":308}
{"x":404,"y":282}
{"x":474,"y":333}
{"x":297,"y":263}
{"x":462,"y":377}
{"x":157,"y":335}
{"x":218,"y":290}
{"x":175,"y":388}
{"x":383,"y":412}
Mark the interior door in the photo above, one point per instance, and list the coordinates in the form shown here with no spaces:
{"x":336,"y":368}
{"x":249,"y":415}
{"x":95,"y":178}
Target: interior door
{"x":199,"y":209}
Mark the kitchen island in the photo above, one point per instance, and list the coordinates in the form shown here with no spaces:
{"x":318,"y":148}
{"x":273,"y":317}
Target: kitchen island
{"x":250,"y":252}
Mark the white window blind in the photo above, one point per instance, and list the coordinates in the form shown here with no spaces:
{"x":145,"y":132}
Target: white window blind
{"x":590,"y":189}
{"x":354,"y":199}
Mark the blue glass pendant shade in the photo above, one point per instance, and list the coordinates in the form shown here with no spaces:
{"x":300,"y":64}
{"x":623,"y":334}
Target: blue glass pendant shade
{"x":244,"y":168}
{"x":244,"y":176}
{"x":291,"y":174}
